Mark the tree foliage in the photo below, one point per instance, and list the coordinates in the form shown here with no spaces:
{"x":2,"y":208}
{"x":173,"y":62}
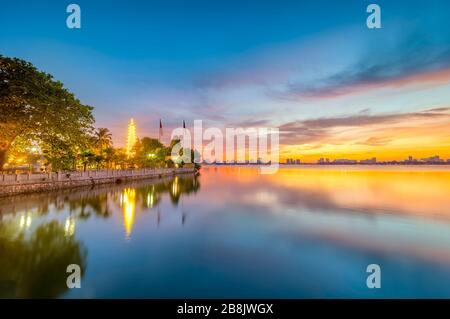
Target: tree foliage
{"x":150,"y":152}
{"x":35,"y":106}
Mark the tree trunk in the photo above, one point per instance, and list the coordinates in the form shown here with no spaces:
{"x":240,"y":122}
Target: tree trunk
{"x":2,"y":158}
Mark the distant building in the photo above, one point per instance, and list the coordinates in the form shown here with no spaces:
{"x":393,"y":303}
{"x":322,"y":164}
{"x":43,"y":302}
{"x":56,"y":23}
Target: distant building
{"x":371,"y":161}
{"x":433,"y":160}
{"x":345,"y":161}
{"x":291,"y":161}
{"x":410,"y":160}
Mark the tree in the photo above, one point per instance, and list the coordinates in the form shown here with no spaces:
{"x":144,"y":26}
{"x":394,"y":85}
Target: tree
{"x":59,"y":154}
{"x":151,"y":152}
{"x":151,"y":144}
{"x":103,"y":139}
{"x":181,"y":158}
{"x":109,"y":155}
{"x":35,"y":106}
{"x":120,"y":158}
{"x":87,"y":158}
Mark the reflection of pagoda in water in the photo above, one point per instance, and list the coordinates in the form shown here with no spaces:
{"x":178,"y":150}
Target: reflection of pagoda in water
{"x":128,"y":203}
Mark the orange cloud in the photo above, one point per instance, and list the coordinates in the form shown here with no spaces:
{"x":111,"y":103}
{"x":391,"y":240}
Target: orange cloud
{"x":387,"y":137}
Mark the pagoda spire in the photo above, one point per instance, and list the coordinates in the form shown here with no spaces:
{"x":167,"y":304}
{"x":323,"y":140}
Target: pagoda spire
{"x":131,"y":138}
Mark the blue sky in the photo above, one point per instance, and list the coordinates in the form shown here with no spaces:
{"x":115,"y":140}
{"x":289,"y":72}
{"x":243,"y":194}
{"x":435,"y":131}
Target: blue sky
{"x":278,"y":63}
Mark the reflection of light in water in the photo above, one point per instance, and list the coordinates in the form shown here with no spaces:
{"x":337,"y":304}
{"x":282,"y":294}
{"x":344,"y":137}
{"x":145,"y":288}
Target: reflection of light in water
{"x":264,"y":198}
{"x":175,"y":186}
{"x":69,"y":227}
{"x":25,"y":221}
{"x":128,"y":202}
{"x":407,"y":190}
{"x":150,"y":200}
{"x":418,"y":190}
{"x":22,"y":221}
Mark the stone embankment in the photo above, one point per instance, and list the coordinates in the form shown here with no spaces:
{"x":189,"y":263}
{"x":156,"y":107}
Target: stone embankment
{"x":11,"y":184}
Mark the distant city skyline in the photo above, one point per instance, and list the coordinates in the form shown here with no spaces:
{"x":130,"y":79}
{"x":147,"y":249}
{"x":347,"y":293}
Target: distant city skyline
{"x":436,"y":159}
{"x":372,"y":161}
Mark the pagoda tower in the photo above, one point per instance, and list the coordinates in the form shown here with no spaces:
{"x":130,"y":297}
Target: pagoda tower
{"x":131,"y":139}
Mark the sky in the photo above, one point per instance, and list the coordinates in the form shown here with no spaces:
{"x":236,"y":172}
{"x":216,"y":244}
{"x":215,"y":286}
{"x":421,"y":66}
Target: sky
{"x":313,"y":69}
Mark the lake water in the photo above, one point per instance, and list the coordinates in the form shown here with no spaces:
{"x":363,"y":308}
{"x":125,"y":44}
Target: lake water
{"x":304,"y":232}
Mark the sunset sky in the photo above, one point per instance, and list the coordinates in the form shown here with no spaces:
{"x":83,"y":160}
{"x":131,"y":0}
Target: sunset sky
{"x":334,"y":87}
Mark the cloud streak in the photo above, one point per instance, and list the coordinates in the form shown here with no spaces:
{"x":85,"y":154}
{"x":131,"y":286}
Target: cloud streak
{"x":327,"y":130}
{"x":411,"y":60}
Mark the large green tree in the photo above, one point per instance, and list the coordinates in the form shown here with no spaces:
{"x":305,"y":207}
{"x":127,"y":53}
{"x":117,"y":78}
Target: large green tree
{"x":35,"y":106}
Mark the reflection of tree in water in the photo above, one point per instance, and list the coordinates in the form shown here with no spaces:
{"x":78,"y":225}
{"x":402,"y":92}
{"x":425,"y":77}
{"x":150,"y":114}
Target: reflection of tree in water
{"x":131,"y":199}
{"x":88,"y":205}
{"x":150,"y":196}
{"x":182,"y":186}
{"x":147,"y":196}
{"x":83,"y":204}
{"x":35,"y":266}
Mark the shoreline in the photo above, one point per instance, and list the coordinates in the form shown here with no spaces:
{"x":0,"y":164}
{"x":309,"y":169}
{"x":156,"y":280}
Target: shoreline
{"x":16,"y":184}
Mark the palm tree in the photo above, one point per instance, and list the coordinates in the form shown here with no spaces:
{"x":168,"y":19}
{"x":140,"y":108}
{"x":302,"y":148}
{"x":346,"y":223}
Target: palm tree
{"x":103,"y":139}
{"x":87,"y":158}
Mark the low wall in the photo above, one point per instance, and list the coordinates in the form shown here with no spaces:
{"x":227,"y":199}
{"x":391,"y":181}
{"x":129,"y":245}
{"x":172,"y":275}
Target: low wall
{"x":11,"y":184}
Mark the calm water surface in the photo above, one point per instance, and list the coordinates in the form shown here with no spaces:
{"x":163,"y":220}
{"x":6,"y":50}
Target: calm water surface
{"x":304,"y":232}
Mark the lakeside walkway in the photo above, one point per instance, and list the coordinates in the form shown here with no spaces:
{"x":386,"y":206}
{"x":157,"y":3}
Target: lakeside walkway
{"x":11,"y":184}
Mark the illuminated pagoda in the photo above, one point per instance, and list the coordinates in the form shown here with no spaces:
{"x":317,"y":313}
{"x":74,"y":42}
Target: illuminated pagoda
{"x":131,"y":139}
